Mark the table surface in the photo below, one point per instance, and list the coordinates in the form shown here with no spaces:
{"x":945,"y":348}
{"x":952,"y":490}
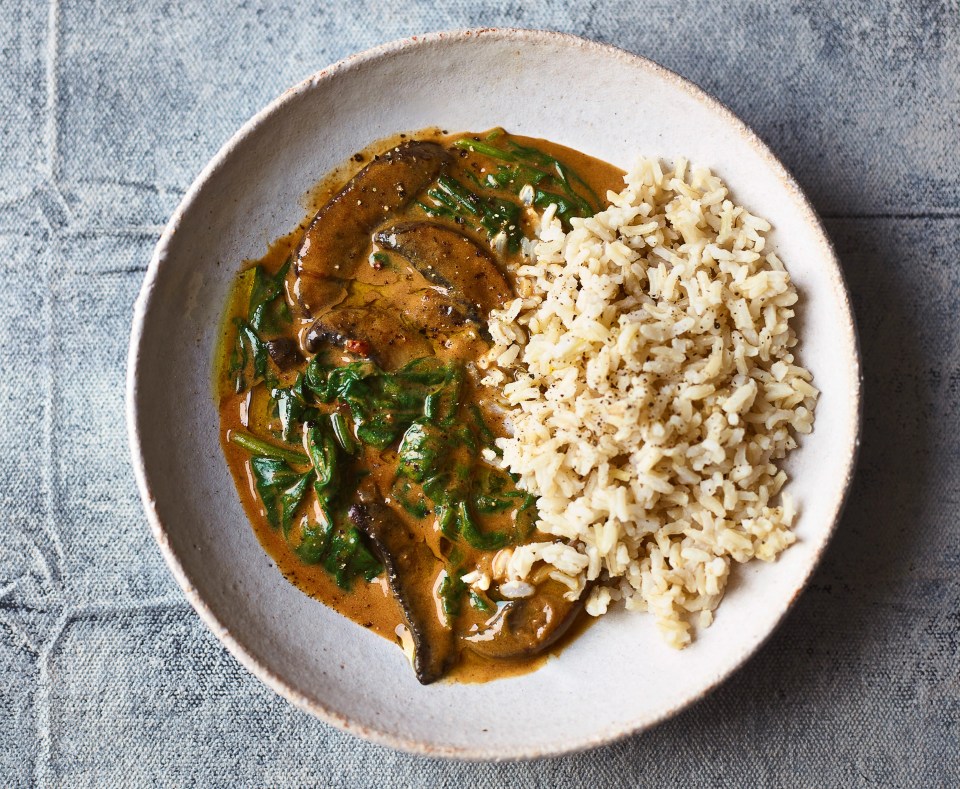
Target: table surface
{"x":108,"y":112}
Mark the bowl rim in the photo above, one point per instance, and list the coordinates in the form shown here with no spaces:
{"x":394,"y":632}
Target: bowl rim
{"x":135,"y":408}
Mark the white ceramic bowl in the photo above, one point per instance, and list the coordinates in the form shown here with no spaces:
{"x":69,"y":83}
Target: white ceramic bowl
{"x":619,"y":677}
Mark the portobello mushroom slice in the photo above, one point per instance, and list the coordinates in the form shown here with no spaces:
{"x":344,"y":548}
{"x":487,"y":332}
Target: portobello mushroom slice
{"x":331,"y":249}
{"x":452,"y":260}
{"x":408,"y":560}
{"x":372,"y":333}
{"x":284,"y":352}
{"x":436,"y":314}
{"x":524,"y":627}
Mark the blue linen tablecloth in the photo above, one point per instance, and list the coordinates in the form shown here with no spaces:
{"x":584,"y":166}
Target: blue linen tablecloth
{"x":109,"y":110}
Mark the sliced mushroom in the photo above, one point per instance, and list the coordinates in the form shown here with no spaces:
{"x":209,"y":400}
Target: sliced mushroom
{"x":331,"y":249}
{"x":283,"y":351}
{"x":525,"y":626}
{"x":372,"y":333}
{"x":435,"y":313}
{"x":408,"y":561}
{"x":450,"y":259}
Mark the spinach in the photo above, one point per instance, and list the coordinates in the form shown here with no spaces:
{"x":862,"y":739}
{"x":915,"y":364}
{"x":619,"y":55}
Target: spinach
{"x":442,"y":458}
{"x":281,"y":489}
{"x":323,"y":455}
{"x":384,"y":404}
{"x":494,"y":492}
{"x":268,"y":310}
{"x":341,"y":431}
{"x":438,"y":469}
{"x":447,"y":521}
{"x":572,"y":195}
{"x":526,"y":519}
{"x":514,"y":178}
{"x":455,"y":519}
{"x":249,"y":350}
{"x":480,"y":602}
{"x":427,"y":371}
{"x":455,"y":196}
{"x":441,"y":405}
{"x":503,"y":216}
{"x":421,"y":450}
{"x":494,"y":214}
{"x":267,"y":313}
{"x":340,"y":550}
{"x":330,"y":383}
{"x":379,"y":430}
{"x":283,"y":476}
{"x":436,"y":488}
{"x":489,"y":439}
{"x":292,"y":407}
{"x":451,"y":592}
{"x":566,"y":209}
{"x":449,"y":486}
{"x":443,"y":211}
{"x":407,"y":496}
{"x":348,"y":556}
{"x":461,"y":435}
{"x":482,"y":205}
{"x":481,"y":540}
{"x":314,"y":540}
{"x":359,"y":385}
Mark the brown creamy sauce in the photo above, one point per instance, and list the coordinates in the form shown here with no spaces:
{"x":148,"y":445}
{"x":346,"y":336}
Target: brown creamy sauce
{"x":366,"y":291}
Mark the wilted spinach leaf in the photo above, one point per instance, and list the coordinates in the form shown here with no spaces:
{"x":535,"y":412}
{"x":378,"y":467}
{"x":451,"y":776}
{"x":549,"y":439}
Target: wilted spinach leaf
{"x":281,"y":489}
{"x":451,"y":593}
{"x":293,"y":408}
{"x":441,"y":405}
{"x":421,"y":451}
{"x":323,"y":455}
{"x":268,"y":311}
{"x":341,"y":551}
{"x":493,"y":491}
{"x":412,"y":500}
{"x":481,"y":540}
{"x":249,"y":352}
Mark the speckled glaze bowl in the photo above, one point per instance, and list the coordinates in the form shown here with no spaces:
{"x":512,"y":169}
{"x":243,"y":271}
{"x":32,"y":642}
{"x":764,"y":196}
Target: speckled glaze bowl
{"x":619,"y":677}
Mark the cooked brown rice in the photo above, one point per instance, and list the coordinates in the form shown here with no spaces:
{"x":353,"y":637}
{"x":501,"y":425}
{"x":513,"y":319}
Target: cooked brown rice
{"x":652,"y":387}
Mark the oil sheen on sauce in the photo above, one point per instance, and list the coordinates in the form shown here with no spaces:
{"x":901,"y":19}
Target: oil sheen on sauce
{"x":370,"y":605}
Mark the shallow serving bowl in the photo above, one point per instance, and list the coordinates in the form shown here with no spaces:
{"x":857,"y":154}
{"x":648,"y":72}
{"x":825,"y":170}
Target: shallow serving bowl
{"x":619,"y":677}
